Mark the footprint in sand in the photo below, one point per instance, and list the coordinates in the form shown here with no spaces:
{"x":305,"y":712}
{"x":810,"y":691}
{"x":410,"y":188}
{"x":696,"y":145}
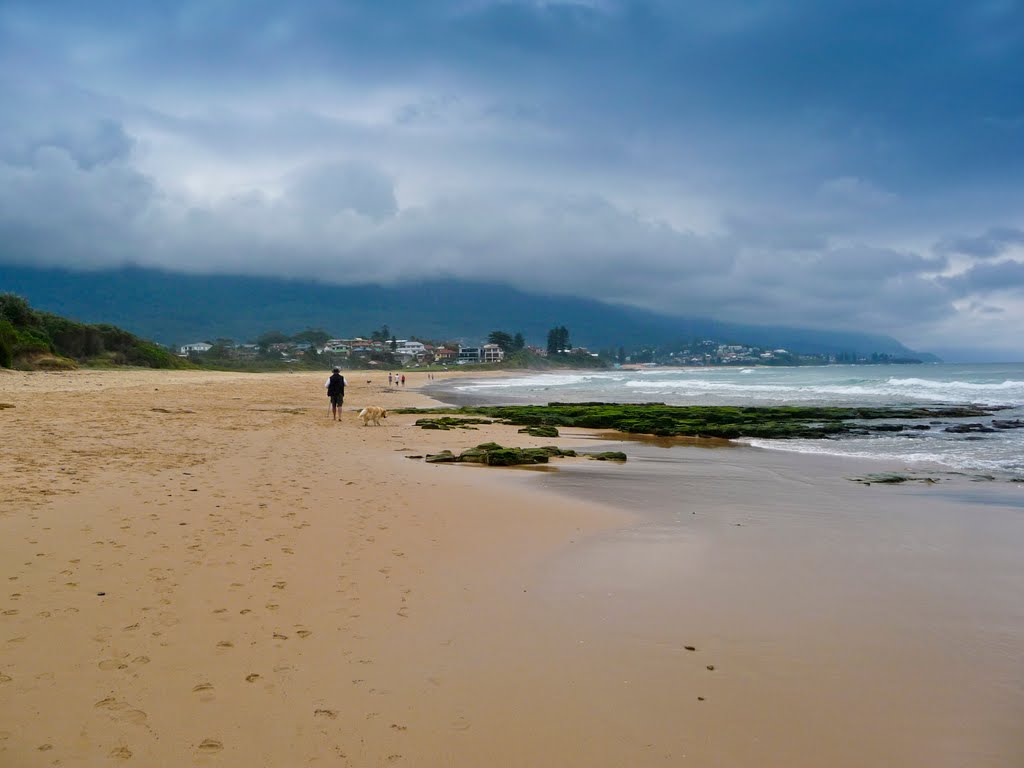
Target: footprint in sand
{"x":330,"y":713}
{"x":303,"y":633}
{"x":209,"y":746}
{"x":121,"y":753}
{"x":225,"y":644}
{"x":252,"y":678}
{"x":109,"y":703}
{"x":280,"y":584}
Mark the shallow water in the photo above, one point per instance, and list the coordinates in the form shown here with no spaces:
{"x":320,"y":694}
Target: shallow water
{"x":886,"y":618}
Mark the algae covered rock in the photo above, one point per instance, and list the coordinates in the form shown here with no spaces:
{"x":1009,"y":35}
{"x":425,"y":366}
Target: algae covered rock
{"x":449,"y":422}
{"x":606,"y":456}
{"x":730,"y":422}
{"x":430,"y":424}
{"x":507,"y":457}
{"x":540,"y":430}
{"x":474,"y":455}
{"x":554,"y":450}
{"x":495,"y":455}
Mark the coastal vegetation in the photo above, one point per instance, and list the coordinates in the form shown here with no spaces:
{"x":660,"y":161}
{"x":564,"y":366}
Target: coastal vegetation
{"x":715,"y":421}
{"x":31,"y":339}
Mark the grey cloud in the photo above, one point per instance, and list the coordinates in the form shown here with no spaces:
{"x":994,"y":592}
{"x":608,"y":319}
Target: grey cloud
{"x":995,"y":242}
{"x":988,"y":278}
{"x":766,"y":161}
{"x":328,"y":189}
{"x":61,"y":205}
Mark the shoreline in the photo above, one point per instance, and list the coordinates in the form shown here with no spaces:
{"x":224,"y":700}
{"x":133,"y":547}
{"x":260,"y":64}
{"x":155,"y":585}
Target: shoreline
{"x":395,"y":612}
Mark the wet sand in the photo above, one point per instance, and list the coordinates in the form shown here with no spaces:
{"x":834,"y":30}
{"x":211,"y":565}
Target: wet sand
{"x":280,"y":589}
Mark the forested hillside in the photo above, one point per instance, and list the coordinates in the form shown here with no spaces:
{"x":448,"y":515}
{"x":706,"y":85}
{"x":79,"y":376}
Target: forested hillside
{"x":32,"y":339}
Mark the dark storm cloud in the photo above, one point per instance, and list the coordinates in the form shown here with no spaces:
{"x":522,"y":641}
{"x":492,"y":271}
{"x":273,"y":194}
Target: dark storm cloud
{"x":824,"y":164}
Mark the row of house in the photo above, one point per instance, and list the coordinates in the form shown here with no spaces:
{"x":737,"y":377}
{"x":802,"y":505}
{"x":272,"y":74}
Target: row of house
{"x":406,"y":351}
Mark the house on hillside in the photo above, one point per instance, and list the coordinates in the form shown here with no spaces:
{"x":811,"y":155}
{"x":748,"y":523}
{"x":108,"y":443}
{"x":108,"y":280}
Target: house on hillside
{"x":337,"y":346}
{"x":199,"y":346}
{"x":409,"y":350}
{"x":469,"y":355}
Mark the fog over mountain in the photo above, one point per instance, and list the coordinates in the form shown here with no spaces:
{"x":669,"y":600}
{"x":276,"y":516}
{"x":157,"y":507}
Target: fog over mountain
{"x":832,"y":165}
{"x":176,"y":309}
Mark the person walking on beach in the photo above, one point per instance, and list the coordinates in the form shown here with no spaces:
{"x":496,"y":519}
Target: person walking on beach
{"x":336,"y":392}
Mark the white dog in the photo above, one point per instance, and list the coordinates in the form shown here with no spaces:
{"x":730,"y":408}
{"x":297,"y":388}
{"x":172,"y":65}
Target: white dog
{"x":373,"y":413}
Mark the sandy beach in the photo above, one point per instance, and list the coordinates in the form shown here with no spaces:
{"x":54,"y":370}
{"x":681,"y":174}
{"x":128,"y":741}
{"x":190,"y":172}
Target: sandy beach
{"x":204,"y":569}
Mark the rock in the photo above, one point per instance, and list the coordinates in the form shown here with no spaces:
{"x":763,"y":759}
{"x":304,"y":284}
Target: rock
{"x":474,"y":455}
{"x":607,"y":456}
{"x":689,"y":648}
{"x":440,"y":458}
{"x":1008,"y":423}
{"x":507,"y":457}
{"x":889,"y":478}
{"x":960,"y":429}
{"x":540,"y":430}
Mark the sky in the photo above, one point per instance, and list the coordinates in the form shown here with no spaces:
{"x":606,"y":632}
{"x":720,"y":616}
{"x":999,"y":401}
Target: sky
{"x":851,"y":164}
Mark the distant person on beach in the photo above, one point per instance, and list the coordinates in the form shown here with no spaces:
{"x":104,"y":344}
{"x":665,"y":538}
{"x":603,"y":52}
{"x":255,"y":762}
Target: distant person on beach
{"x":389,"y":378}
{"x":403,"y":379}
{"x":336,"y":391}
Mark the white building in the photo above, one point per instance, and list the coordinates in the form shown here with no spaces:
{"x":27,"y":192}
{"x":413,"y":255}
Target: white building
{"x":406,"y":348}
{"x":199,"y":346}
{"x":492,"y":353}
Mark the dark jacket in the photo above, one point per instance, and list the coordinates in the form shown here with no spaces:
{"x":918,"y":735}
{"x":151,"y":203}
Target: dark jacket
{"x":336,"y":385}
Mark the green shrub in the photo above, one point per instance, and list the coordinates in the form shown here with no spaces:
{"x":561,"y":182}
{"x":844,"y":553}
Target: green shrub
{"x":8,"y":337}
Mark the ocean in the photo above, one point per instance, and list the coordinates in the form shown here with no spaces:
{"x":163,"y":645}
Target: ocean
{"x":1000,"y":453}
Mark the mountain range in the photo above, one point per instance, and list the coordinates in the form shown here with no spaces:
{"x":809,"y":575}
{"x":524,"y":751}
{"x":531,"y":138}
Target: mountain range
{"x":174,"y":308}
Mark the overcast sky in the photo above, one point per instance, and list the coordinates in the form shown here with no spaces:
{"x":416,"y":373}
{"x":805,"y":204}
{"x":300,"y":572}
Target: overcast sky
{"x":848,"y":164}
